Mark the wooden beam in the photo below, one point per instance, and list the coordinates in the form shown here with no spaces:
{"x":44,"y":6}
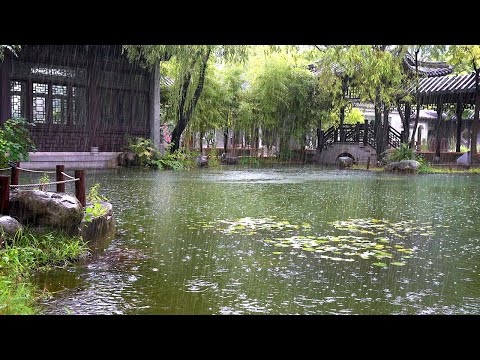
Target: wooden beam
{"x":439,"y":127}
{"x":459,"y":111}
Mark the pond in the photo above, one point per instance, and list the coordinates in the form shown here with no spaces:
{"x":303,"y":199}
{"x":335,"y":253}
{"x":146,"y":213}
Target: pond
{"x":285,"y":240}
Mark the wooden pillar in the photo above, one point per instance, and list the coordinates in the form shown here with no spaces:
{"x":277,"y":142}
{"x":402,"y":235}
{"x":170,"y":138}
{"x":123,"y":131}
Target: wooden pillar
{"x":29,"y":100}
{"x":365,"y":133}
{"x":439,"y":127}
{"x":335,"y":135}
{"x":60,"y":177}
{"x":155,"y":106}
{"x":15,"y":174}
{"x":4,"y":194}
{"x":5,"y":69}
{"x":459,"y":111}
{"x":406,"y":131}
{"x":80,"y":187}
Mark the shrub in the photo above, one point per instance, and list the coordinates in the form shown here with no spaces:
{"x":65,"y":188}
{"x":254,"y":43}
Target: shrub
{"x":402,"y":153}
{"x":15,"y":142}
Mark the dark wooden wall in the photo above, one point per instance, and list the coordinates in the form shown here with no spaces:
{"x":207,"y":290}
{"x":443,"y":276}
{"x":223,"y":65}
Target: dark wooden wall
{"x":100,"y":68}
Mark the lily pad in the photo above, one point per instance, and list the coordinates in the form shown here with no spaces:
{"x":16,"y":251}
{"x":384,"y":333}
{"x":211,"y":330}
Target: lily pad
{"x":379,"y":264}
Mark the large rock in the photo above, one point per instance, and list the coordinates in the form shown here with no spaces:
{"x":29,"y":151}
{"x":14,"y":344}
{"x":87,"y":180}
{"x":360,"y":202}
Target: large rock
{"x":345,"y":161}
{"x":392,"y":166}
{"x":202,"y":160}
{"x":408,"y":165}
{"x":46,"y":209}
{"x":403,"y":166}
{"x":98,"y":230}
{"x":8,"y":228}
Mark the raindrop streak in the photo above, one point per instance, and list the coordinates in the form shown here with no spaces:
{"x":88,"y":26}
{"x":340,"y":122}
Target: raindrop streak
{"x":291,"y":240}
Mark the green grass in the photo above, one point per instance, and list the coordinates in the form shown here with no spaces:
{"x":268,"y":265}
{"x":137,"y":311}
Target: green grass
{"x":26,"y":253}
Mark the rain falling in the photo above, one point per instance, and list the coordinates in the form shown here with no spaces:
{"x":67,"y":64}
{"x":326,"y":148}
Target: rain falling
{"x":245,"y":179}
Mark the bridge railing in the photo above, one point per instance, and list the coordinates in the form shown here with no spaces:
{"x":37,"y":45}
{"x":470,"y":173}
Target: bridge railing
{"x":357,"y":133}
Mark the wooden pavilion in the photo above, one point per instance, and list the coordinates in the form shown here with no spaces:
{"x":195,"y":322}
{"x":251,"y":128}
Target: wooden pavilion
{"x":80,"y":96}
{"x":456,"y":91}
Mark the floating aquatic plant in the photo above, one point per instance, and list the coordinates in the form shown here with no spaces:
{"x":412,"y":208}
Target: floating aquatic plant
{"x":375,"y":239}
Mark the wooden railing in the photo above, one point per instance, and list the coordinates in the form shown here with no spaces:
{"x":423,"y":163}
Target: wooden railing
{"x":11,"y":181}
{"x":356,"y":133}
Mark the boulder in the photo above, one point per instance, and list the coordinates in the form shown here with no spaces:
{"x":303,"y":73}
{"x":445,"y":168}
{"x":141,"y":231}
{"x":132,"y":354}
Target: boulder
{"x":408,"y":165}
{"x":403,"y":166}
{"x":98,"y":229}
{"x":8,"y":227}
{"x":345,"y":161}
{"x":202,"y":160}
{"x":392,"y":166}
{"x":46,"y":209}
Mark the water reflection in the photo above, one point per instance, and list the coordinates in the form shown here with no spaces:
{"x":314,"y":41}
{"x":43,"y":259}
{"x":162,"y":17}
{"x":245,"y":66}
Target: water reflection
{"x":162,"y":262}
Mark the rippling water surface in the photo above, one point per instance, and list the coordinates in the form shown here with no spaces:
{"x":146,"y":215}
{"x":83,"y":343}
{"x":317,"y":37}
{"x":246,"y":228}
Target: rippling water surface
{"x":169,"y":255}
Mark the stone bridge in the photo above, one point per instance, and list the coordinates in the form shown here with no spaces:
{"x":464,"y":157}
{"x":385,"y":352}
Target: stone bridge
{"x":358,"y":151}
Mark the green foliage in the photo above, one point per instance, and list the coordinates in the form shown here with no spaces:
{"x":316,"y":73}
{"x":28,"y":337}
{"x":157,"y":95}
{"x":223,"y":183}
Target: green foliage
{"x":464,"y":58}
{"x":45,"y":179}
{"x":402,"y":153}
{"x":147,"y":155}
{"x":354,"y":116}
{"x":213,"y":159}
{"x":144,"y":150}
{"x":94,"y":210}
{"x":15,"y":142}
{"x":249,"y":161}
{"x":94,"y":194}
{"x":26,"y":253}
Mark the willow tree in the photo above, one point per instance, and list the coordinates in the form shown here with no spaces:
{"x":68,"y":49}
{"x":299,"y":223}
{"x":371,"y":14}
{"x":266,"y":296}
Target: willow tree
{"x":209,"y":112}
{"x":333,"y":79}
{"x":283,"y":89}
{"x":465,"y":57}
{"x":191,"y":62}
{"x":377,"y":75}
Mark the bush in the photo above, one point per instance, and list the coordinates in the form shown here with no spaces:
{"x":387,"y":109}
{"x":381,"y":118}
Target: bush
{"x":402,"y":153}
{"x":15,"y":142}
{"x":147,"y":155}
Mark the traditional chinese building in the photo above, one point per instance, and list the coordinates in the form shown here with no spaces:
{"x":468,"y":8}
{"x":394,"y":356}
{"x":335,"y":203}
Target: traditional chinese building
{"x":81,"y":98}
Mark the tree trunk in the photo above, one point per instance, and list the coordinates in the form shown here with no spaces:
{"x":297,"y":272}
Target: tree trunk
{"x":417,"y":116}
{"x":412,"y":140}
{"x":225,"y":140}
{"x":386,"y":127}
{"x":201,"y":135}
{"x":342,"y":120}
{"x":405,"y":117}
{"x":185,"y":115}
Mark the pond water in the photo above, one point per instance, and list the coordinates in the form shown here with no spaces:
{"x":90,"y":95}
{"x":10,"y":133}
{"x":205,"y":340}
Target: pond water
{"x":287,"y":240}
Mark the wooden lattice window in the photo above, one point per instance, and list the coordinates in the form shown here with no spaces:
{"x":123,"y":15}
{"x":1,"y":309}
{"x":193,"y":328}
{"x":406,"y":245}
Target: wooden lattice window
{"x":17,"y":99}
{"x":59,"y":104}
{"x":40,"y":99}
